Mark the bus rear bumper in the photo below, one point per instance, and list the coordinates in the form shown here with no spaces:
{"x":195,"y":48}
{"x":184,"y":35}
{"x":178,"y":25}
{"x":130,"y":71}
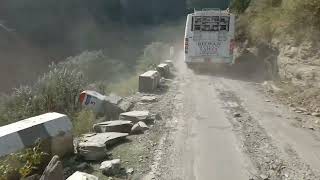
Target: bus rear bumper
{"x":207,"y":61}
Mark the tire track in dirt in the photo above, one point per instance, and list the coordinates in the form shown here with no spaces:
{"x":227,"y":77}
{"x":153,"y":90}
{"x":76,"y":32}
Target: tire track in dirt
{"x":257,"y":144}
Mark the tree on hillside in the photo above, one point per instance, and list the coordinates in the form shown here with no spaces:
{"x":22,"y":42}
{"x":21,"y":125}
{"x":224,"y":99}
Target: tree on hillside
{"x":240,"y":6}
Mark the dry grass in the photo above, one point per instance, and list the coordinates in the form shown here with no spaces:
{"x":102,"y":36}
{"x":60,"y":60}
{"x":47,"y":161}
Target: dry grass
{"x":267,"y":19}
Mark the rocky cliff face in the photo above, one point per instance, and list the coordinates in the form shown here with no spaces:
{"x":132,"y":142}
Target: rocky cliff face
{"x":299,"y":63}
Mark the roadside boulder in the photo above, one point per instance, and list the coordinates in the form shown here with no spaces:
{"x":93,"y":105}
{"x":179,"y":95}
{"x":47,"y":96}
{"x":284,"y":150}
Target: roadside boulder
{"x":110,"y":168}
{"x":113,"y":126}
{"x":94,"y":146}
{"x":149,"y":99}
{"x":139,"y":127}
{"x":164,"y":70}
{"x":114,"y":105}
{"x":169,"y":62}
{"x":54,"y":170}
{"x":92,"y":151}
{"x":82,"y":176}
{"x":136,"y":116}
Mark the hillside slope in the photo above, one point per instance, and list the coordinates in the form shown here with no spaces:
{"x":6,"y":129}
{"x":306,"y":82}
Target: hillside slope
{"x":291,"y":29}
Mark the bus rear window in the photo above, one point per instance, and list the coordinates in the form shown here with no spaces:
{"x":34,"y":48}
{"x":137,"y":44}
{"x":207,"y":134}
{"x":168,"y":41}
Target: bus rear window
{"x":210,"y":23}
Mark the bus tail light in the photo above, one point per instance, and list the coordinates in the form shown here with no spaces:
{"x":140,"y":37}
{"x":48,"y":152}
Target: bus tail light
{"x":186,"y":45}
{"x":232,"y":46}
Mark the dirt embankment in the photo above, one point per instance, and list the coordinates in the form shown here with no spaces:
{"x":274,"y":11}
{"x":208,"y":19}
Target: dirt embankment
{"x":299,"y":70}
{"x":294,"y":68}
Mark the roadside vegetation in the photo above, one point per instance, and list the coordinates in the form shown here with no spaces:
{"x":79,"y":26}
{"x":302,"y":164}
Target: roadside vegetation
{"x":58,"y":89}
{"x":261,"y":21}
{"x":113,"y":45}
{"x":23,"y":164}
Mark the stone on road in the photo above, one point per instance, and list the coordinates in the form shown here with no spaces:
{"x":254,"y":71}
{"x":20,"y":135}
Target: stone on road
{"x":139,"y":127}
{"x":113,"y":126}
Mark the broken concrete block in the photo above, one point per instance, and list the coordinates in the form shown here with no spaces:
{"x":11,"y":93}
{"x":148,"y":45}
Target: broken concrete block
{"x":94,"y":146}
{"x":82,"y":176}
{"x":54,"y":170}
{"x":139,"y":127}
{"x":109,"y":106}
{"x":92,"y":151}
{"x":113,"y":126}
{"x":149,"y":81}
{"x":135,"y":116}
{"x":164,"y":70}
{"x":93,"y":100}
{"x":54,"y":128}
{"x":110,"y":168}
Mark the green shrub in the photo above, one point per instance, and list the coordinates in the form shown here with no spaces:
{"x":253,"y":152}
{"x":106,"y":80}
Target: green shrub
{"x":124,"y":87}
{"x":83,"y":122}
{"x":239,"y":6}
{"x":58,"y":90}
{"x":55,"y":91}
{"x":269,"y":19}
{"x":24,"y":163}
{"x":302,"y":17}
{"x":96,"y":66}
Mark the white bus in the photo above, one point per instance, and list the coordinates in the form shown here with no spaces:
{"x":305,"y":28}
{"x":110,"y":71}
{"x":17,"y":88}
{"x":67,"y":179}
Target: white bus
{"x":209,"y":37}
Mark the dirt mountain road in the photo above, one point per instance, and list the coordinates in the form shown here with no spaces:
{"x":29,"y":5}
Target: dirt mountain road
{"x":227,"y":129}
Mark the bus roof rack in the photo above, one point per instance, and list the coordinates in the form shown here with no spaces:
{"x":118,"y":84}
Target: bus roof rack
{"x":207,"y":9}
{"x":212,"y":10}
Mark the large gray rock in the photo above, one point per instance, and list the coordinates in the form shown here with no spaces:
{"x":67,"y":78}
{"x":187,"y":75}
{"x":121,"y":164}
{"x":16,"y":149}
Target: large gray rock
{"x":92,"y":151}
{"x":114,"y":105}
{"x":149,"y":81}
{"x":136,"y":116}
{"x":82,"y":176}
{"x":113,"y":126}
{"x":110,"y":168}
{"x":94,"y":146}
{"x":164,"y":70}
{"x":54,"y":170}
{"x":139,"y":127}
